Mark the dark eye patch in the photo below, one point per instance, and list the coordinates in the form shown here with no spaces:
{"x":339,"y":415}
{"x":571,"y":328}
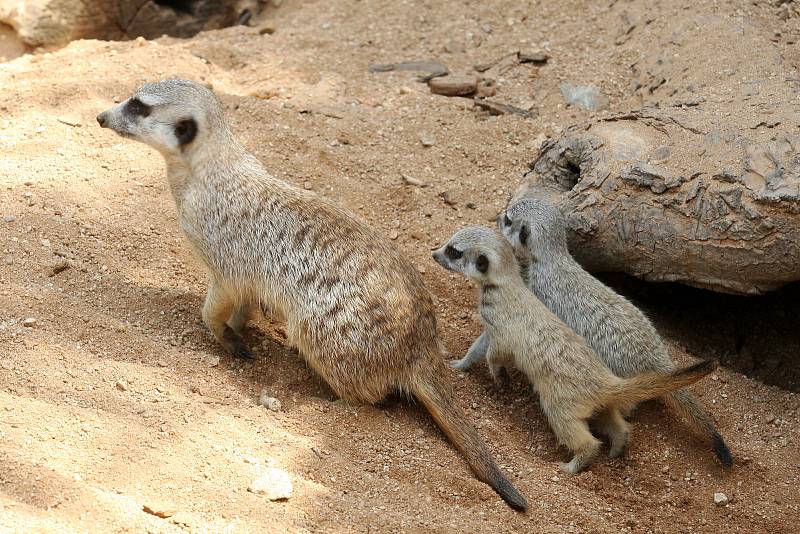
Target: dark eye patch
{"x":185,"y":131}
{"x":137,"y":108}
{"x":453,"y":253}
{"x":524,"y":232}
{"x":506,"y":220}
{"x":482,"y":263}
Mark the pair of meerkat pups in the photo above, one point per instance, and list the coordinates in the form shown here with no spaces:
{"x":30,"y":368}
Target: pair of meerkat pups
{"x":355,"y":307}
{"x":573,"y":383}
{"x":618,"y":332}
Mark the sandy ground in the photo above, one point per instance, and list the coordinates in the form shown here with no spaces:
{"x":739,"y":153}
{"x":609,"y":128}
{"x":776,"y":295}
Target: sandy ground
{"x":115,"y":398}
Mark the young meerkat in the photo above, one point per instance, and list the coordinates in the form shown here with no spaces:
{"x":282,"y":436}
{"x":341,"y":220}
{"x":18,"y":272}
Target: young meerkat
{"x":355,"y":307}
{"x":616,"y":329}
{"x":573,"y":383}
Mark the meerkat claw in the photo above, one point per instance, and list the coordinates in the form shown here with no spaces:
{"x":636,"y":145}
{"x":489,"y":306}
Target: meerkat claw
{"x":234,"y":344}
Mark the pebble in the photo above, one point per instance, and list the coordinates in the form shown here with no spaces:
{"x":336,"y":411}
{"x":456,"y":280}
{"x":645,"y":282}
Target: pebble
{"x":720,"y":499}
{"x":158,"y":509}
{"x":29,"y":322}
{"x":268,"y":401}
{"x":274,"y":484}
{"x":393,"y":235}
{"x":454,"y":85}
{"x":533,"y":57}
{"x":410,"y":180}
{"x":9,"y":218}
{"x":212,"y":360}
{"x":427,"y":140}
{"x":267,"y":29}
{"x":59,"y":266}
{"x":121,"y":385}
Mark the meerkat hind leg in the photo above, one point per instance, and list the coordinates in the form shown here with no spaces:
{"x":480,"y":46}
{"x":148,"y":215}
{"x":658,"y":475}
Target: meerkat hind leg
{"x":216,"y":311}
{"x":477,"y":351}
{"x":611,"y":423}
{"x":241,"y":315}
{"x":496,"y":363}
{"x":575,"y":435}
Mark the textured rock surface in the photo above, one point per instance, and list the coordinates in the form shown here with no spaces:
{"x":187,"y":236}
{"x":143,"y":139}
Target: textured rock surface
{"x":56,"y":22}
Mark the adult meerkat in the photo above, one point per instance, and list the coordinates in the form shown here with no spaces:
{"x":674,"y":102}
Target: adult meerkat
{"x":356,"y":308}
{"x":616,"y":329}
{"x":573,"y":383}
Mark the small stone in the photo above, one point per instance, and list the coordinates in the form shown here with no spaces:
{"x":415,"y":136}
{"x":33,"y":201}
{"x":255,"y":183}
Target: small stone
{"x":274,"y":484}
{"x":45,"y":243}
{"x":486,"y":88}
{"x":308,"y":185}
{"x":212,"y":360}
{"x":60,"y":266}
{"x":268,"y":401}
{"x":427,"y":140}
{"x":161,"y":510}
{"x":266,"y":29}
{"x":29,"y":322}
{"x":121,"y":385}
{"x":720,"y":499}
{"x":9,"y":218}
{"x":410,"y":180}
{"x":454,"y":85}
{"x":393,"y":235}
{"x":533,"y":57}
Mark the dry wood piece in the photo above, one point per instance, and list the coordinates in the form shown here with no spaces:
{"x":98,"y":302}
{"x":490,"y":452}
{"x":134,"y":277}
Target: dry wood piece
{"x":496,"y":108}
{"x":433,"y":69}
{"x":458,"y":85}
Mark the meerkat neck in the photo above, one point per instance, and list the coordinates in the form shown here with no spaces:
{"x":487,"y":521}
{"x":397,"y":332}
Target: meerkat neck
{"x":214,"y":157}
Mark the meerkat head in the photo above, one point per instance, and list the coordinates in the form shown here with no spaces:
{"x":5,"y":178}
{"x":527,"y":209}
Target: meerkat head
{"x":478,"y":253}
{"x":534,"y":227}
{"x":171,"y":116}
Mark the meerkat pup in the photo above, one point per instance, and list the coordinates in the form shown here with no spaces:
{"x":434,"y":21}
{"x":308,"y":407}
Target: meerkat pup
{"x":616,"y":329}
{"x":355,"y":307}
{"x":573,"y":383}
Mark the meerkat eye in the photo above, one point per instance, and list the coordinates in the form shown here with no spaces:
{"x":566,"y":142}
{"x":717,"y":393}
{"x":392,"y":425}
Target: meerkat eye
{"x":524,"y":232}
{"x":482,"y":264}
{"x":453,"y":253}
{"x":137,"y":108}
{"x":185,"y":131}
{"x":506,"y":220}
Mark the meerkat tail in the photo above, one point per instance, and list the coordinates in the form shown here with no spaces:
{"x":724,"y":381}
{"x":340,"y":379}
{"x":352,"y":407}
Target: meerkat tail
{"x":686,"y":405}
{"x":432,"y":393}
{"x":639,"y":388}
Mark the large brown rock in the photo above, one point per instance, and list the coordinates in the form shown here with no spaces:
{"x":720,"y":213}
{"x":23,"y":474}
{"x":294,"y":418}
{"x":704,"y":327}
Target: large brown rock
{"x":647,"y":193}
{"x":56,"y":22}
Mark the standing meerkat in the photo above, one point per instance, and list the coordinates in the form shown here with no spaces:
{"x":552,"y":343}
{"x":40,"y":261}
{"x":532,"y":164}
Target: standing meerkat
{"x":616,"y":329}
{"x":573,"y":383}
{"x":356,"y":308}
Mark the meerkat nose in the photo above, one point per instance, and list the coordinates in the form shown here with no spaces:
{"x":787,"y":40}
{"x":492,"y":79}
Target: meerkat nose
{"x":102,"y":120}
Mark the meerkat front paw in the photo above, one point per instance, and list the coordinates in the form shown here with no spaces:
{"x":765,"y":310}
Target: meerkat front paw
{"x":460,"y":365}
{"x":235,"y":345}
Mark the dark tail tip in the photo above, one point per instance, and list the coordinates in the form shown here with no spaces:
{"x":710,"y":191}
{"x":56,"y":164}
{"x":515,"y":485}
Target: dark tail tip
{"x":721,"y":450}
{"x":701,"y":368}
{"x":509,"y":493}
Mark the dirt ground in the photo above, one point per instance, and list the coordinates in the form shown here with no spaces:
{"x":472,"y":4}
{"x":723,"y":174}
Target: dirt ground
{"x":114,"y":397}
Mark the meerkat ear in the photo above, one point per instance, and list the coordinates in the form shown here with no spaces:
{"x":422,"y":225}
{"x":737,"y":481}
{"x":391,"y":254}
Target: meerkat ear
{"x":482,"y":264}
{"x":185,"y":131}
{"x":524,"y":232}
